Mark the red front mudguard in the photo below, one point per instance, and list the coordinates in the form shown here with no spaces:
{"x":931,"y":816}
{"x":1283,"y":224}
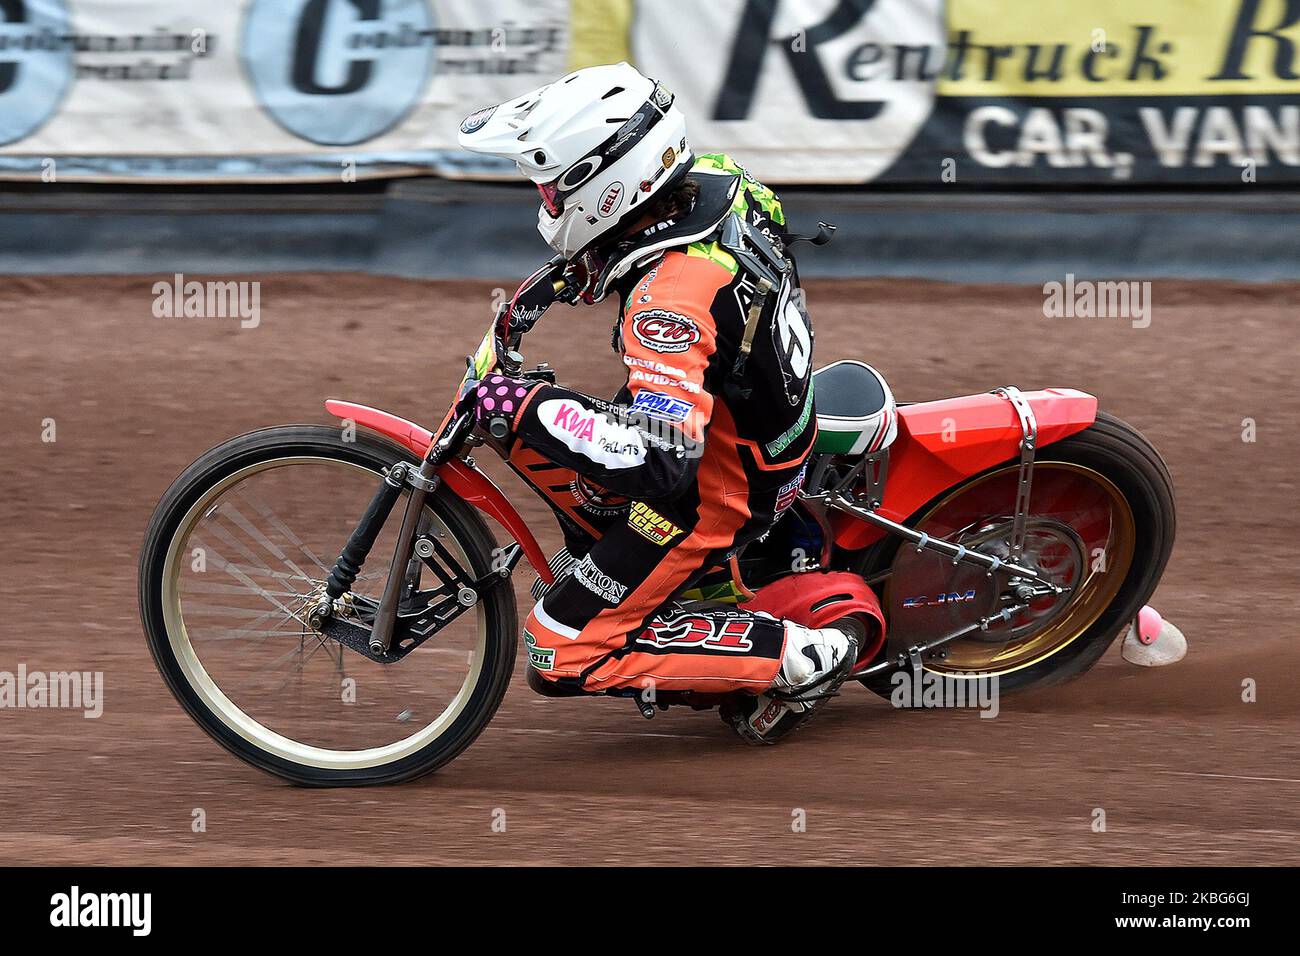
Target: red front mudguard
{"x":466,"y":482}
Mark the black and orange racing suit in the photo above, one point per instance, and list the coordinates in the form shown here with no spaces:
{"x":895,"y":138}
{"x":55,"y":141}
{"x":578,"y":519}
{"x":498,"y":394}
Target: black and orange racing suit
{"x":690,"y":461}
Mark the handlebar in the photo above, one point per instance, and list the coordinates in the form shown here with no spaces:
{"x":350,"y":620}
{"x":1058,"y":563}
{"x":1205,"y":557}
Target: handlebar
{"x":506,"y":337}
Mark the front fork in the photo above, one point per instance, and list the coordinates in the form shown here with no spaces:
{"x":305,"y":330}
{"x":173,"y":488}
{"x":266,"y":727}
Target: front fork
{"x":423,"y":482}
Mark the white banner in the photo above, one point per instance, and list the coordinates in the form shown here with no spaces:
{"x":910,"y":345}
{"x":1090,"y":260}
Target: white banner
{"x":257,"y":89}
{"x":800,"y":91}
{"x":813,"y":91}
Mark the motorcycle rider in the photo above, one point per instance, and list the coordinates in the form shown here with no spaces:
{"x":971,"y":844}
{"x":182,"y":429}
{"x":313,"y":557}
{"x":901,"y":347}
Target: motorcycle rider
{"x":703,"y":448}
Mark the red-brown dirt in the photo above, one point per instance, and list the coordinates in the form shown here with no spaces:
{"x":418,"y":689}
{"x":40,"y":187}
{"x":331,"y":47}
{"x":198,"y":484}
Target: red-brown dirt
{"x":1186,"y":771}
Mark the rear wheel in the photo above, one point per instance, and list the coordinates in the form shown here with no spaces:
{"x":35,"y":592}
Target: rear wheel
{"x":237,"y":552}
{"x":1101,"y":525}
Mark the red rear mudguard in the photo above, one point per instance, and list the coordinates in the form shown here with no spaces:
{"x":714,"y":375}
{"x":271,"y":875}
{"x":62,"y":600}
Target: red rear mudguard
{"x":817,"y":599}
{"x":468,"y":483}
{"x":941,"y":444}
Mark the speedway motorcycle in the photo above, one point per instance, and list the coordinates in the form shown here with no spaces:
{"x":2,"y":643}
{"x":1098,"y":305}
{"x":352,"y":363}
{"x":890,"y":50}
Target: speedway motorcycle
{"x":330,"y":605}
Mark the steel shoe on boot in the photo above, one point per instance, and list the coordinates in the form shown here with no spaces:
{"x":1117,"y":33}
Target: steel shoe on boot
{"x":815,"y":664}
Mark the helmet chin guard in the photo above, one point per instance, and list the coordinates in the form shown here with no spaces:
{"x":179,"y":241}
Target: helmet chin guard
{"x":598,"y":143}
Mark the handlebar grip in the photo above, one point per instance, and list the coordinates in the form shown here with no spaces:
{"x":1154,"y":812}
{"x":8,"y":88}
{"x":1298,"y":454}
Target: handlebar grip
{"x":499,"y":427}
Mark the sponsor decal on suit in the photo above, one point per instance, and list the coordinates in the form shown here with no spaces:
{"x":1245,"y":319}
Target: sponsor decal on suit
{"x":716,"y":632}
{"x":594,"y":499}
{"x":787,"y":493}
{"x":663,"y":407}
{"x":651,"y":525}
{"x":591,"y":434}
{"x":586,"y":573}
{"x":781,"y":442}
{"x":654,"y":372}
{"x":541,"y":658}
{"x":662,"y":331}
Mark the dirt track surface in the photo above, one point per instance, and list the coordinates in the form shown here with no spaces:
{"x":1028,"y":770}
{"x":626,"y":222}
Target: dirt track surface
{"x":1185,"y":771}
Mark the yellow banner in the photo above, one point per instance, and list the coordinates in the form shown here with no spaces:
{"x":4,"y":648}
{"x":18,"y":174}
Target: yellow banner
{"x":600,"y":32}
{"x":1121,"y":48}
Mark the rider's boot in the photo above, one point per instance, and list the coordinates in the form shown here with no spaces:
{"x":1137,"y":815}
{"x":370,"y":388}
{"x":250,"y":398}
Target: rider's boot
{"x":816,"y":662}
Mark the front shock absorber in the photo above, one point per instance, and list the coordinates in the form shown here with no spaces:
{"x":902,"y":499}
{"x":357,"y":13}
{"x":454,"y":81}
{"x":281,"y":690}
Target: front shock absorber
{"x":362,"y":539}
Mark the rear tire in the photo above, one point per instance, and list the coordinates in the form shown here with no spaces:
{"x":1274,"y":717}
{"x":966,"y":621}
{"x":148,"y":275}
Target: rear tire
{"x":372,"y":454}
{"x":1121,"y":454}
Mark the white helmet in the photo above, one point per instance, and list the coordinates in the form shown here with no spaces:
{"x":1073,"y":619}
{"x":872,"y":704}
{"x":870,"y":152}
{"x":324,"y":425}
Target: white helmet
{"x":598,"y":143}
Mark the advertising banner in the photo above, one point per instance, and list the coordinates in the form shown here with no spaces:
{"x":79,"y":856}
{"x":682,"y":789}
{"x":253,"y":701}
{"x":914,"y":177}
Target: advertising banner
{"x":923,"y":92}
{"x":259,"y":89}
{"x":1113,"y":92}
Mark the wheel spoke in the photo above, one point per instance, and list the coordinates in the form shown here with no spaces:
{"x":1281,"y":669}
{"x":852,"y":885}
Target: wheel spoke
{"x":265,"y":511}
{"x":234,"y":514}
{"x":238,"y":574}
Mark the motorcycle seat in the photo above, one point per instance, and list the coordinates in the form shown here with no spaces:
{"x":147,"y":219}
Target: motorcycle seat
{"x":856,"y":412}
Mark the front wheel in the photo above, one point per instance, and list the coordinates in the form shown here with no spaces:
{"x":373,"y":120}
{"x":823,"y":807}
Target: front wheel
{"x":1101,"y":524}
{"x":236,"y":553}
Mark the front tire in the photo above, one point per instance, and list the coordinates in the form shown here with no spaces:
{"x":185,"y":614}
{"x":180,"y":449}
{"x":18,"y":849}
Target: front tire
{"x":318,"y":738}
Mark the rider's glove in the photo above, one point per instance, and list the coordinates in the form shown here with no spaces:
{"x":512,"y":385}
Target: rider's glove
{"x":495,"y":403}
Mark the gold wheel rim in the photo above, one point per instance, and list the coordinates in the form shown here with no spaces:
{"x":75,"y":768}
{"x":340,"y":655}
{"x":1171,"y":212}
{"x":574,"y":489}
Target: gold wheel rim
{"x":1094,"y":593}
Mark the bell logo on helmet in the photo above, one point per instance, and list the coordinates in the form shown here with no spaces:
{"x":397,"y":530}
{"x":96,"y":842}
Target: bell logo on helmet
{"x":664,"y":331}
{"x":609,"y":202}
